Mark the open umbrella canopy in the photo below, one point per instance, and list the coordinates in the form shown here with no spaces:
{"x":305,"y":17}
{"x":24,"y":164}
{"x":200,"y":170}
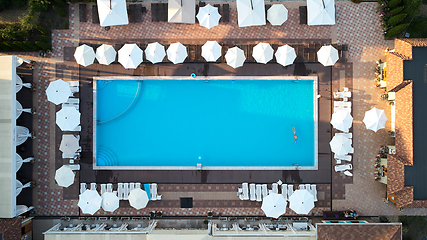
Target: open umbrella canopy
{"x":181,"y":11}
{"x":250,"y":13}
{"x":177,"y":53}
{"x":84,"y":55}
{"x":155,"y":52}
{"x":64,"y":176}
{"x":235,"y":57}
{"x":130,"y":56}
{"x":208,"y":16}
{"x":263,"y":52}
{"x":285,"y":55}
{"x":89,"y":202}
{"x":112,"y":12}
{"x":340,"y":145}
{"x":342,"y":120}
{"x":277,"y":14}
{"x":68,"y":118}
{"x":58,"y":91}
{"x":320,"y":12}
{"x":105,"y":54}
{"x":327,"y":55}
{"x":69,"y":144}
{"x":138,"y":198}
{"x":110,"y":202}
{"x":301,"y":201}
{"x":375,"y":119}
{"x":211,"y":51}
{"x":274,"y":205}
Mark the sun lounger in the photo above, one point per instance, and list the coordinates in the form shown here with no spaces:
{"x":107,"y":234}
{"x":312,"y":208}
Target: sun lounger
{"x":73,"y":156}
{"x":264,"y":190}
{"x":82,"y":12}
{"x":126,"y":191}
{"x":131,"y":186}
{"x":303,"y":15}
{"x":109,"y":187}
{"x":301,"y":187}
{"x":290,"y":190}
{"x":93,"y":186}
{"x":313,"y":190}
{"x":131,"y":13}
{"x":83,"y":187}
{"x":103,"y":188}
{"x":225,"y":13}
{"x":258,"y":192}
{"x":347,"y":135}
{"x":342,"y":94}
{"x":342,"y":168}
{"x":285,"y":191}
{"x":348,"y":173}
{"x":341,"y":105}
{"x":74,"y":167}
{"x":252,"y":191}
{"x":138,"y":185}
{"x":95,"y":16}
{"x":245,"y":191}
{"x":120,"y":191}
{"x":344,"y":157}
{"x":147,"y":190}
{"x":308,"y":187}
{"x":153,"y":189}
{"x":275,"y":188}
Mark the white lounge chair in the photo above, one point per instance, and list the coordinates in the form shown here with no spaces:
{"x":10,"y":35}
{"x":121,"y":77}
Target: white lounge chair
{"x":343,"y":157}
{"x":138,"y":185}
{"x":301,"y":187}
{"x":258,"y":192}
{"x":313,"y":191}
{"x":343,"y":167}
{"x":252,"y":191}
{"x":275,"y":188}
{"x":347,"y":135}
{"x":103,"y":188}
{"x":245,"y":191}
{"x":74,"y":86}
{"x":120,"y":191}
{"x":344,"y":94}
{"x":307,"y":186}
{"x":348,"y":173}
{"x":264,"y":190}
{"x":83,"y":187}
{"x":153,"y":191}
{"x":131,"y":186}
{"x":341,"y":105}
{"x":290,"y":190}
{"x":126,"y":191}
{"x":93,"y":186}
{"x":109,"y":187}
{"x":285,"y":191}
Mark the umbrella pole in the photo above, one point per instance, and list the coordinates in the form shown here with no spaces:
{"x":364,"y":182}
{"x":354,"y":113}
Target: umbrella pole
{"x":323,"y":2}
{"x":110,"y":5}
{"x":252,"y":5}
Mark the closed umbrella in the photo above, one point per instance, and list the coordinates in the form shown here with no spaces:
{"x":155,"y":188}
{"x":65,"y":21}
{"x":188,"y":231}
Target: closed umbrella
{"x":110,"y":202}
{"x":235,"y":57}
{"x":155,"y":52}
{"x":301,"y":201}
{"x":84,"y":55}
{"x":285,"y":55}
{"x":68,"y":118}
{"x":375,"y":119}
{"x":105,"y":54}
{"x":20,"y":109}
{"x":112,"y":12}
{"x":130,"y":56}
{"x":277,"y":14}
{"x":138,"y":198}
{"x":177,"y":53}
{"x":20,"y":161}
{"x":327,"y":55}
{"x":340,"y":145}
{"x":20,"y":186}
{"x":64,"y":176}
{"x":250,"y":13}
{"x":274,"y":205}
{"x":208,"y":16}
{"x":22,"y":134}
{"x":89,"y":202}
{"x":58,"y":91}
{"x":342,"y":120}
{"x":69,"y":144}
{"x":263,"y":53}
{"x":211,"y":51}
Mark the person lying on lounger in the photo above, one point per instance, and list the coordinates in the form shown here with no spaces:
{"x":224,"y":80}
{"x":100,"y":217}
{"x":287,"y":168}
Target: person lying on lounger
{"x":295,"y":135}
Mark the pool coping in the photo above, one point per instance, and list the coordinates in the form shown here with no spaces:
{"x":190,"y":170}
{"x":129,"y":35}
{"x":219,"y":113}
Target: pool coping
{"x":293,"y":78}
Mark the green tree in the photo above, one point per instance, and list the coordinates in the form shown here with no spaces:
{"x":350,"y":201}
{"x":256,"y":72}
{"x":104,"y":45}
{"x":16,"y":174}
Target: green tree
{"x":43,"y":45}
{"x":61,"y":12}
{"x":39,"y":5}
{"x":395,"y":20}
{"x":396,"y":30}
{"x":393,"y":3}
{"x":397,"y":10}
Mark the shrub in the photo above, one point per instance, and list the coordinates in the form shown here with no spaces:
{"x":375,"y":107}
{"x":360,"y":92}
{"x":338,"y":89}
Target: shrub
{"x":23,"y":46}
{"x":396,"y":30}
{"x":44,"y":38}
{"x":4,"y":4}
{"x":9,"y":32}
{"x":393,"y":21}
{"x":20,"y":3}
{"x":43,"y":45}
{"x":39,"y":5}
{"x":44,"y":31}
{"x":355,"y":1}
{"x":3,"y":46}
{"x":61,"y":3}
{"x":397,"y":10}
{"x":28,"y":22}
{"x":61,"y":12}
{"x":32,"y":46}
{"x":412,"y":7}
{"x":393,"y":3}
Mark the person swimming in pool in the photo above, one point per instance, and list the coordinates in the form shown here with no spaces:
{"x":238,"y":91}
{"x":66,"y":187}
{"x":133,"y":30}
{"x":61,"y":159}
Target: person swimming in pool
{"x":295,"y":135}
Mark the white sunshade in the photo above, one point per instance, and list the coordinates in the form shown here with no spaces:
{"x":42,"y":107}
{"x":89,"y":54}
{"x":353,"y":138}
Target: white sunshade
{"x":181,"y":11}
{"x":20,"y":186}
{"x":84,"y":55}
{"x":320,"y":12}
{"x":211,"y":51}
{"x":177,"y":53}
{"x":58,"y":91}
{"x":263,"y":53}
{"x":69,"y":144}
{"x":250,"y":13}
{"x":327,"y":55}
{"x":277,"y":14}
{"x":64,"y":176}
{"x":235,"y":57}
{"x":138,"y":198}
{"x":20,"y":109}
{"x":285,"y":55}
{"x":112,"y":12}
{"x":110,"y":202}
{"x":130,"y":56}
{"x":155,"y":52}
{"x":105,"y":54}
{"x":20,"y":161}
{"x":208,"y":16}
{"x":375,"y":119}
{"x":340,"y":145}
{"x":68,"y":118}
{"x":274,"y":205}
{"x":301,"y":201}
{"x":89,"y":202}
{"x":342,"y":120}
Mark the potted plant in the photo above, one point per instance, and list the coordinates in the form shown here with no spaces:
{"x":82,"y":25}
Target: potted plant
{"x":210,"y":213}
{"x":391,"y":133}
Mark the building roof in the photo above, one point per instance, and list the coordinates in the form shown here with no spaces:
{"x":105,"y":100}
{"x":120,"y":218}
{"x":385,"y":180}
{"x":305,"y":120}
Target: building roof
{"x":395,"y":175}
{"x":378,"y":231}
{"x":404,"y":126}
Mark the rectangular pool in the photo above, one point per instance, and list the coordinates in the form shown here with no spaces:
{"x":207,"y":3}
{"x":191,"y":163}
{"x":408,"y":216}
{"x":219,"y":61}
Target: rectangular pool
{"x":235,"y":123}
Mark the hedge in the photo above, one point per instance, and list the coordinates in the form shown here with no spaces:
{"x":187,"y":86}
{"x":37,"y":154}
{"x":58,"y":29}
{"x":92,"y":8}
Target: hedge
{"x":393,"y":3}
{"x":393,"y":21}
{"x":396,"y":10}
{"x":61,"y":3}
{"x":44,"y":31}
{"x":44,"y":38}
{"x":61,"y":12}
{"x":43,"y":45}
{"x":396,"y":30}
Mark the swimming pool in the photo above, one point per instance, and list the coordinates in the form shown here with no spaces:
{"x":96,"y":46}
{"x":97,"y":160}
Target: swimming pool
{"x":234,"y":123}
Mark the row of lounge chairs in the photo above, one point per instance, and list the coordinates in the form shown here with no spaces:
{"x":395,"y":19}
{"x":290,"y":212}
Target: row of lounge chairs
{"x":256,"y":192}
{"x":135,"y":12}
{"x":124,"y":189}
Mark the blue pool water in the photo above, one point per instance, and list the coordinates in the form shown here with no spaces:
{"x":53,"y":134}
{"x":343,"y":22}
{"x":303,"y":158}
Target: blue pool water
{"x":219,"y":123}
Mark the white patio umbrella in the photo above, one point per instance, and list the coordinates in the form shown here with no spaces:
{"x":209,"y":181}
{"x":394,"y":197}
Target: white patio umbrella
{"x":105,"y":54}
{"x":69,"y":144}
{"x":84,"y":55}
{"x":64,"y":176}
{"x":138,"y":198}
{"x":211,"y":51}
{"x":22,"y":134}
{"x":327,"y":55}
{"x":112,"y":12}
{"x":155,"y":52}
{"x":89,"y":202}
{"x":130,"y":56}
{"x":68,"y":118}
{"x":20,"y":109}
{"x":110,"y":202}
{"x":340,"y":145}
{"x":262,"y":53}
{"x":320,"y":12}
{"x":20,"y":161}
{"x":277,"y":14}
{"x":250,"y":13}
{"x":20,"y":186}
{"x":20,"y":83}
{"x":58,"y":91}
{"x":177,"y":53}
{"x":235,"y":57}
{"x":208,"y":16}
{"x":181,"y":11}
{"x":301,"y":201}
{"x":342,"y":120}
{"x":285,"y":55}
{"x":274,"y":205}
{"x":375,"y":119}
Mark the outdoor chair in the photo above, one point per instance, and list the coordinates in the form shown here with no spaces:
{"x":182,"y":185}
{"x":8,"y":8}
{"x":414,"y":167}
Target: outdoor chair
{"x":348,"y":173}
{"x":109,"y":187}
{"x":131,"y":13}
{"x":103,"y":188}
{"x":225,"y":16}
{"x":82,"y":12}
{"x":83,"y":187}
{"x":120,"y":191}
{"x":308,"y":187}
{"x":342,"y":168}
{"x":341,"y":105}
{"x":93,"y":186}
{"x":264,"y":190}
{"x":290,"y":190}
{"x":275,"y":188}
{"x":245,"y":191}
{"x":303,"y":14}
{"x":131,"y":187}
{"x":258,"y":192}
{"x":285,"y":191}
{"x":95,"y":16}
{"x":313,"y":190}
{"x":252,"y":191}
{"x":137,"y":185}
{"x":301,"y":187}
{"x":126,"y":191}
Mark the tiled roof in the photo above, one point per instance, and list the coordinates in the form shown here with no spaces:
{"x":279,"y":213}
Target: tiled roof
{"x":395,"y":175}
{"x":416,"y":42}
{"x":403,"y":123}
{"x":403,"y":47}
{"x":375,"y":231}
{"x":394,"y":70}
{"x":404,"y":197}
